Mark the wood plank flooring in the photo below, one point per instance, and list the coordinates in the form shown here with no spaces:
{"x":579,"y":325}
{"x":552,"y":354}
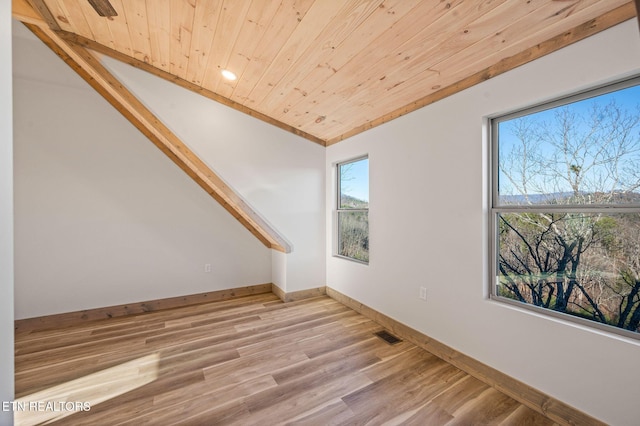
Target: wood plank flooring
{"x":251,"y":360}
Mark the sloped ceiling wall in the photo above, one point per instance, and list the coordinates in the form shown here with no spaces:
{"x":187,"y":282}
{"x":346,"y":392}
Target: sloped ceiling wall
{"x":102,"y":216}
{"x":279,"y":174}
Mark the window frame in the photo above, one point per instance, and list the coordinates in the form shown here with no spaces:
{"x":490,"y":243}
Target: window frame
{"x":338,"y":210}
{"x":495,"y":208}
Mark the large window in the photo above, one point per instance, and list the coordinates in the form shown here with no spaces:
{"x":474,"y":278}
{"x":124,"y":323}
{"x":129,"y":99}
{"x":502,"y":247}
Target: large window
{"x":565,"y":208}
{"x":352,"y":213}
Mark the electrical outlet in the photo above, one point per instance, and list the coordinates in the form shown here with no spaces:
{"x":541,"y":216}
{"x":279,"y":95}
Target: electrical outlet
{"x":207,"y":267}
{"x":423,"y":293}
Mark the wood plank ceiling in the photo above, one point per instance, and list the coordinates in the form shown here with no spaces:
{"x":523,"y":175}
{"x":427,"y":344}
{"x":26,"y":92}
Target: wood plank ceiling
{"x":329,"y":69}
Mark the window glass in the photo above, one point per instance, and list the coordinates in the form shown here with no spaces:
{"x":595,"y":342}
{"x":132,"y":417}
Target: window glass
{"x":566,"y":208}
{"x":352,"y":217}
{"x":583,"y":152}
{"x":354,"y":184}
{"x":353,"y":235}
{"x":582,"y":264}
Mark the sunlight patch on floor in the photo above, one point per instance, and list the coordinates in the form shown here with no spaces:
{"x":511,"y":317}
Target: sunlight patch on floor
{"x":54,"y":403}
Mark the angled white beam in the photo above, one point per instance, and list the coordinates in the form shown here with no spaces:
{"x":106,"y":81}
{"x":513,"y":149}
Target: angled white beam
{"x":108,"y":86}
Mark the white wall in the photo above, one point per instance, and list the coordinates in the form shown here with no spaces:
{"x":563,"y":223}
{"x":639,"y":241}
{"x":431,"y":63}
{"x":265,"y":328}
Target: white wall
{"x":6,"y":214}
{"x":280,"y":174}
{"x":428,"y":227}
{"x":102,"y":217}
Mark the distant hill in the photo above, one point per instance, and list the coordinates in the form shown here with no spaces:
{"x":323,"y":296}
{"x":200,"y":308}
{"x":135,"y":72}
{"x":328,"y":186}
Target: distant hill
{"x":620,"y":197}
{"x":352,"y":202}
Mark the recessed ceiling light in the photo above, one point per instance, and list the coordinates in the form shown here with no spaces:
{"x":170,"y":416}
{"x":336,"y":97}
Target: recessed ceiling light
{"x":228,"y":75}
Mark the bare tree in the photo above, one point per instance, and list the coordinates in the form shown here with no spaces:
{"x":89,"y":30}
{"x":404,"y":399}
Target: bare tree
{"x":581,"y":158}
{"x":594,"y":155}
{"x":627,"y":287}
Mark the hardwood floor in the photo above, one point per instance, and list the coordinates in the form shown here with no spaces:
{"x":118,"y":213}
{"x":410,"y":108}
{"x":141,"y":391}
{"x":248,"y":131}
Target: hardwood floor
{"x":251,"y":360}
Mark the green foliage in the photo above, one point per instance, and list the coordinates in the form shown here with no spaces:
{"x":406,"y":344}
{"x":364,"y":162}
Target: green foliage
{"x":354,"y":235}
{"x":606,"y":228}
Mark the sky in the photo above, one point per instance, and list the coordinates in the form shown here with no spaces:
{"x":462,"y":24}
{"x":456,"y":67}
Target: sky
{"x":628,"y":99}
{"x":355,"y":181}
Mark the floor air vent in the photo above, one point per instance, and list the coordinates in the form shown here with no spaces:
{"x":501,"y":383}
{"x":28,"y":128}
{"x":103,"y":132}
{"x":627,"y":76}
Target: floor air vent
{"x":388,"y":337}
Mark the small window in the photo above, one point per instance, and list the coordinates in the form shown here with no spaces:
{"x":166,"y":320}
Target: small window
{"x":565,"y":208}
{"x":352,"y":213}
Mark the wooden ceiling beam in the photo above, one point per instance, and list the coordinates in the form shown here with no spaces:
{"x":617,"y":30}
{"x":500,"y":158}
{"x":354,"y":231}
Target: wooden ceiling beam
{"x":637,"y":2}
{"x":41,"y":9}
{"x":23,"y":12}
{"x":93,"y":72}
